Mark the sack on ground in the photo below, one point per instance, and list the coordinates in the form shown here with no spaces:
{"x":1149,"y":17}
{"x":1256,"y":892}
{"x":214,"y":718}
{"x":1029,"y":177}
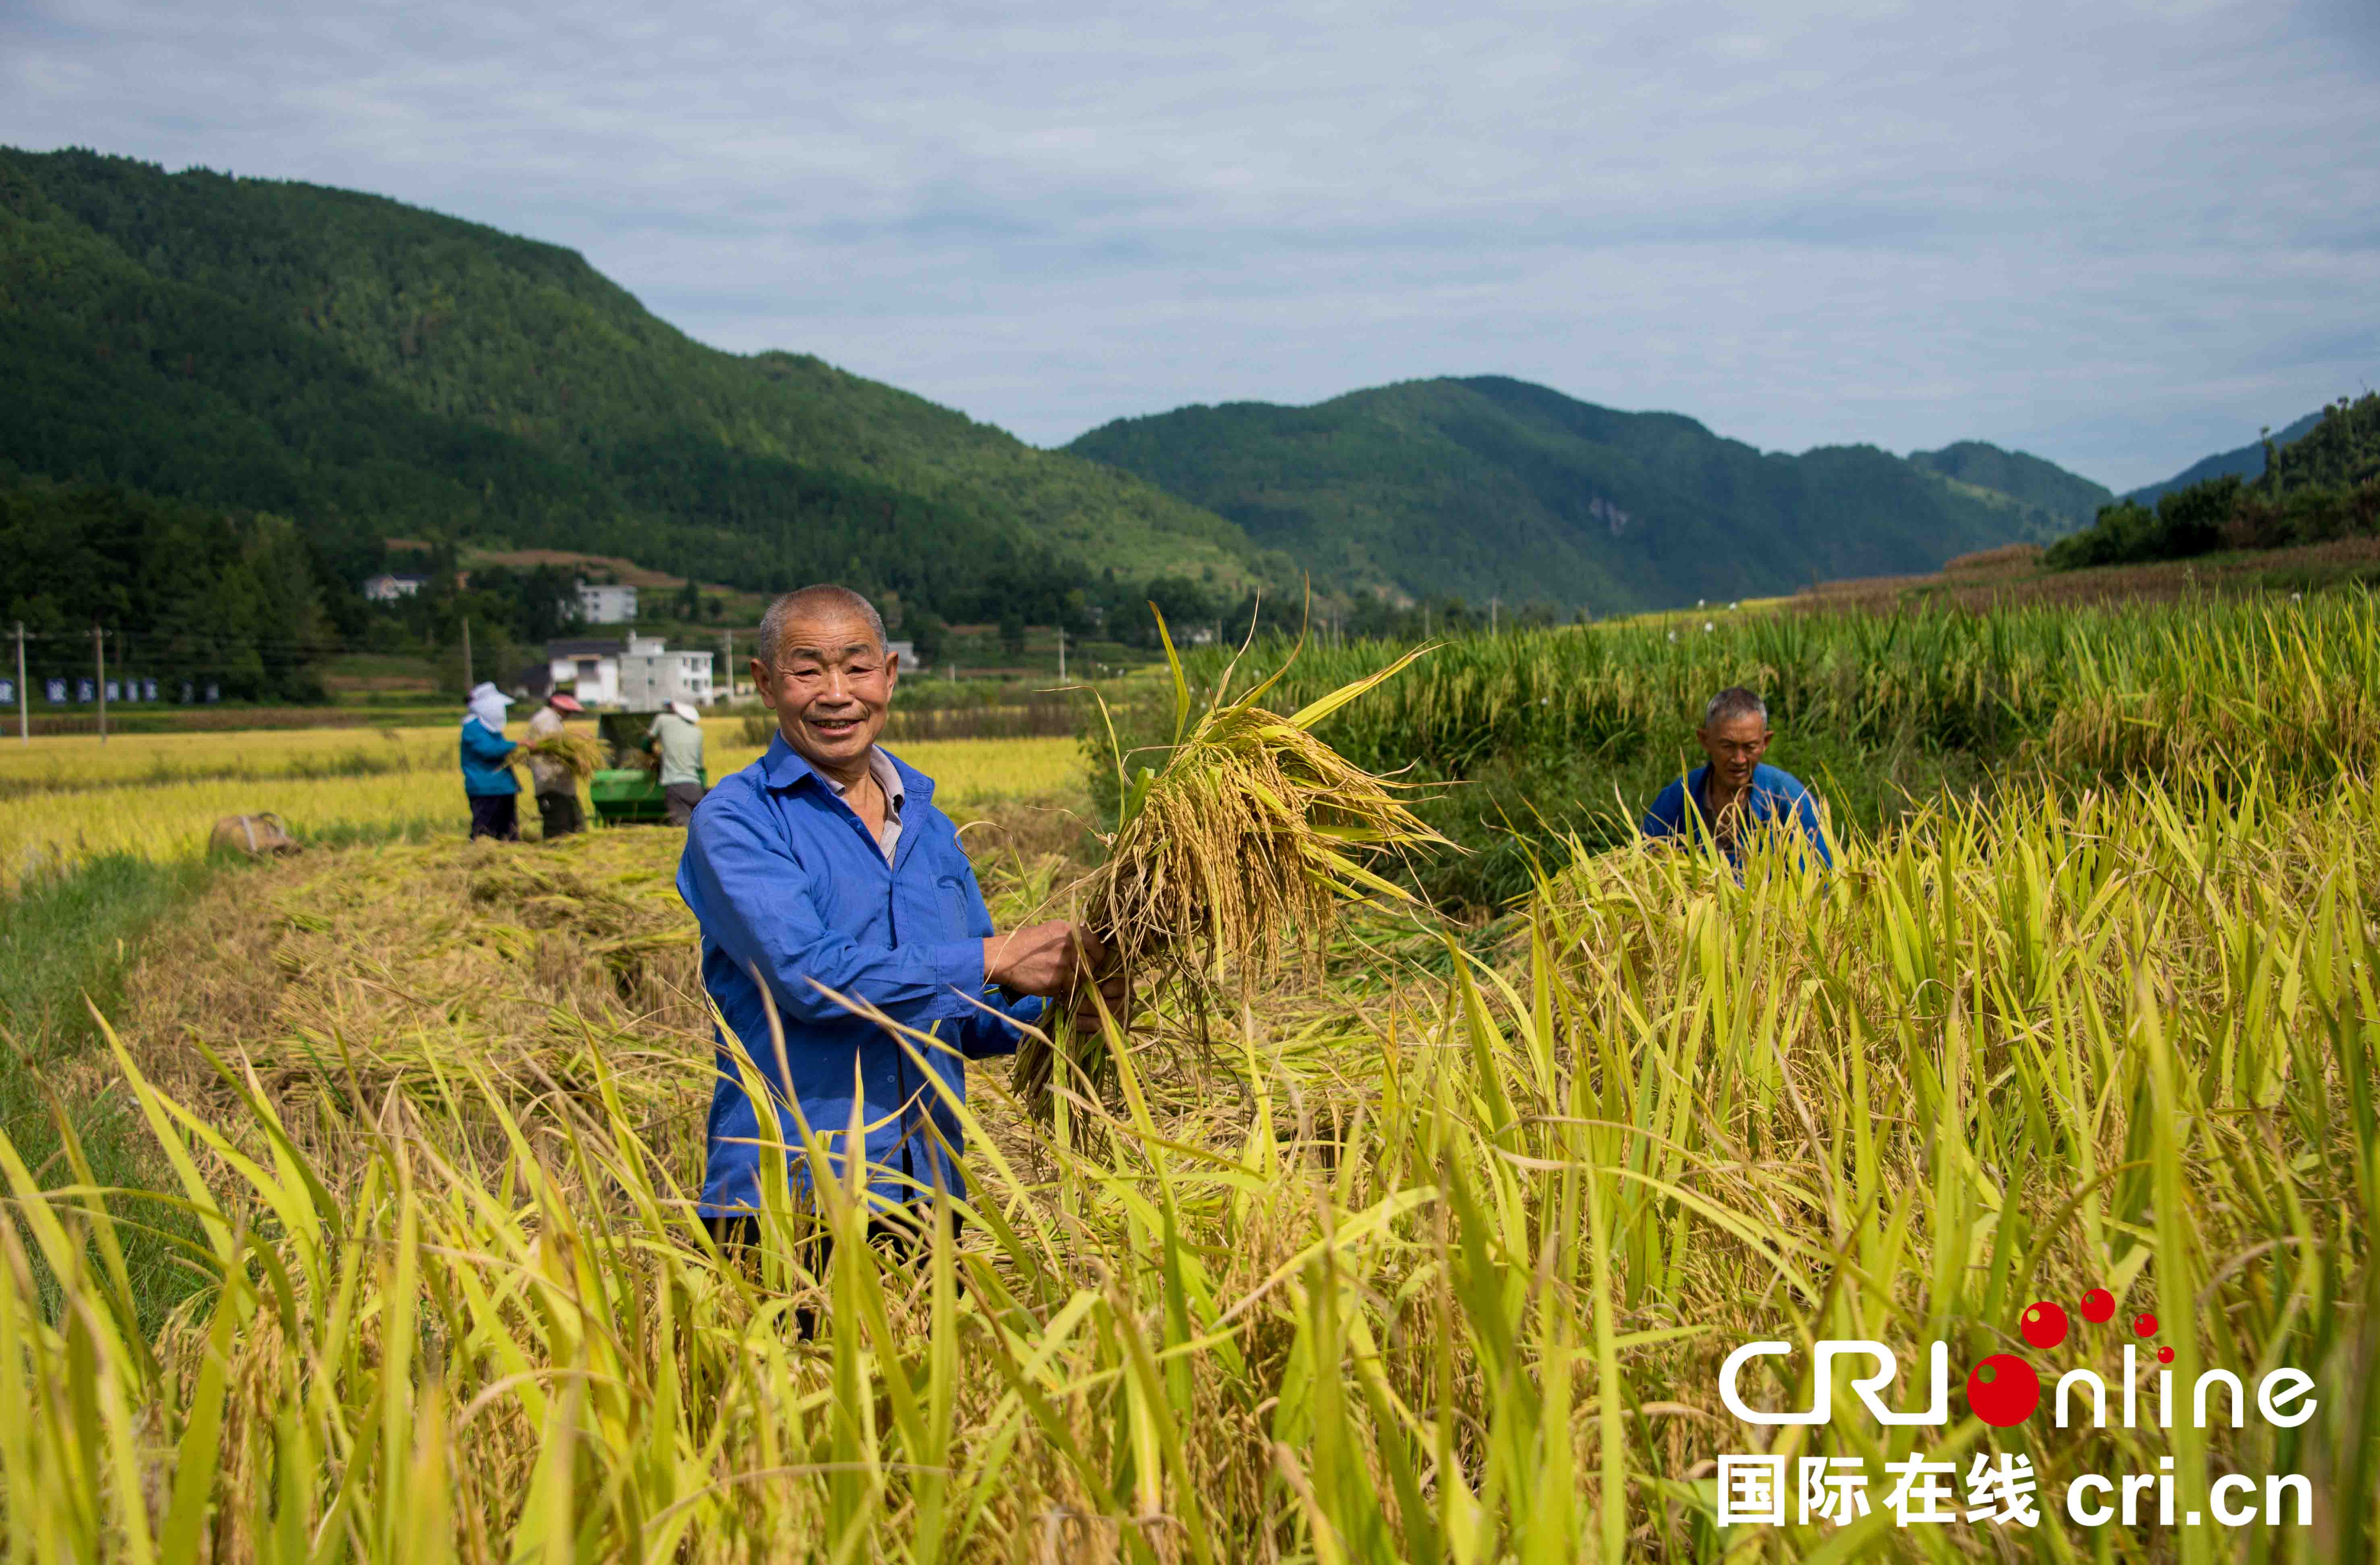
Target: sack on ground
{"x":254,"y":837}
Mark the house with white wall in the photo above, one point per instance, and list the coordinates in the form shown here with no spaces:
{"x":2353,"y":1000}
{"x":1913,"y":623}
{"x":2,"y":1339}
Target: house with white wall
{"x":639,"y":675}
{"x":651,"y":676}
{"x":606,"y":603}
{"x":592,"y":668}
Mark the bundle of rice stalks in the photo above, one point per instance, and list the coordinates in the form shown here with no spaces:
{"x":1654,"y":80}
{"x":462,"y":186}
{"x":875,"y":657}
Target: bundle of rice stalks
{"x":581,"y":755}
{"x":1249,"y":842}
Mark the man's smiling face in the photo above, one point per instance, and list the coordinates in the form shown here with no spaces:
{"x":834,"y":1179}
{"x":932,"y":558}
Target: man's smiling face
{"x":830,"y":689}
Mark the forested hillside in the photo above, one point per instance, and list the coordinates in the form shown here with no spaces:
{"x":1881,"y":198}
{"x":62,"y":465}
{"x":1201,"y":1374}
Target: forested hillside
{"x":2323,"y":485}
{"x":1492,"y":487}
{"x":227,"y":600}
{"x":2071,"y":499}
{"x":370,"y":370}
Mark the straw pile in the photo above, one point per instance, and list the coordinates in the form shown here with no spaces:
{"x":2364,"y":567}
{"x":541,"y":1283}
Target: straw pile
{"x":437,"y":969}
{"x":1246,"y":844}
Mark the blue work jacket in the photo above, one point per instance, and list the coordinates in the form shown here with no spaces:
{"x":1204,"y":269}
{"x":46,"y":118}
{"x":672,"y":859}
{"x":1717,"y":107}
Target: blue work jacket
{"x":485,"y":752}
{"x":1775,"y":798}
{"x":786,"y":882}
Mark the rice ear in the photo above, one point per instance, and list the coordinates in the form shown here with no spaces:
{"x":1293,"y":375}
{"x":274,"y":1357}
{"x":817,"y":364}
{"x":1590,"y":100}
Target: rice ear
{"x":1251,"y":836}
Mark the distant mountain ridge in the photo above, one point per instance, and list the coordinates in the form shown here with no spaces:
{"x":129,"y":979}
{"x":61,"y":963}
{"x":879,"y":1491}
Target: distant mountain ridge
{"x":1490,"y":486}
{"x":2246,"y":461}
{"x":370,"y":369}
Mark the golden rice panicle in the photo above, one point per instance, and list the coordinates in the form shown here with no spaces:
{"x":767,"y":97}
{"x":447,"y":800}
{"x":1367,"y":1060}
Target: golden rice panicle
{"x":1250,"y":839}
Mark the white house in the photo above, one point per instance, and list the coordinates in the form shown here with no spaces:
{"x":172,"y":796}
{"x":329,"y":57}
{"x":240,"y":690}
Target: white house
{"x":387,"y":589}
{"x":592,"y":666}
{"x":651,"y":676}
{"x":606,"y":603}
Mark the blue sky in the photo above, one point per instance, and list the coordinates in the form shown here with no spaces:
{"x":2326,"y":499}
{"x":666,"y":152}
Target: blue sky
{"x":2120,"y":233}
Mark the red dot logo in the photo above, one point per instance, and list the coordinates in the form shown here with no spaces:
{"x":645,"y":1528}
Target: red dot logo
{"x":2145,"y":1325}
{"x":2043,"y":1325}
{"x":2165,"y":1355}
{"x":2003,"y":1390}
{"x":2098,"y":1306}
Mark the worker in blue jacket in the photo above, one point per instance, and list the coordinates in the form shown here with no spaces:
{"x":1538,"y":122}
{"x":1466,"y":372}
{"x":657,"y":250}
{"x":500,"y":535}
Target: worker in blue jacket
{"x":487,"y":782}
{"x":1735,"y":797}
{"x":823,"y":878}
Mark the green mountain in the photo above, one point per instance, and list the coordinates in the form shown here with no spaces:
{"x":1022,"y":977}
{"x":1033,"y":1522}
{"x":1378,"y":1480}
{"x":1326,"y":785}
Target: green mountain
{"x":373,"y":369}
{"x":2244,"y":461}
{"x":1491,"y":487}
{"x":2044,"y":486}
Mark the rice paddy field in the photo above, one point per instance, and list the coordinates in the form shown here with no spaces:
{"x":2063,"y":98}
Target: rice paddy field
{"x":1433,"y":1244}
{"x":63,"y":800}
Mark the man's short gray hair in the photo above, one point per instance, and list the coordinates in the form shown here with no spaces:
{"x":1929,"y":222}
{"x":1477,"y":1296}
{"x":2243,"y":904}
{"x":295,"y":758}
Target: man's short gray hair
{"x":1732,"y":702}
{"x":820,"y":598}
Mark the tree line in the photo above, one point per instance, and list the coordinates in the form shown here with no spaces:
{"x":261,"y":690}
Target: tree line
{"x":2324,"y":484}
{"x":226,"y":603}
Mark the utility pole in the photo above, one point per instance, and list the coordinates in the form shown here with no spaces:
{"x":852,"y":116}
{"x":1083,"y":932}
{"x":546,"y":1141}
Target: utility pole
{"x":727,"y":640}
{"x":99,"y":650}
{"x":467,"y":655}
{"x":1493,"y":603}
{"x":24,"y":724}
{"x":1062,"y":652}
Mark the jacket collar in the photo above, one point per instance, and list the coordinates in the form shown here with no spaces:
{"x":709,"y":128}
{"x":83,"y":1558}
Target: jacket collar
{"x":784,"y":767}
{"x":1764,"y":782}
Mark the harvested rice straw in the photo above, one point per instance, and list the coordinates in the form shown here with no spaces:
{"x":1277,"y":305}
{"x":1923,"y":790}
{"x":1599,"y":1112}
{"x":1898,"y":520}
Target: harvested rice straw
{"x":1250,"y":840}
{"x":582,"y":755}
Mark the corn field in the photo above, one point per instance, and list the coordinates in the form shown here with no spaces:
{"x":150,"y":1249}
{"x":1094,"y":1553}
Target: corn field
{"x":1433,"y":1255}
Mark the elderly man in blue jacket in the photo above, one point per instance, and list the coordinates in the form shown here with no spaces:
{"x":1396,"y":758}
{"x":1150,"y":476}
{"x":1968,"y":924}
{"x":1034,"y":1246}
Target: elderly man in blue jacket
{"x":1736,"y":797}
{"x":825,"y":866}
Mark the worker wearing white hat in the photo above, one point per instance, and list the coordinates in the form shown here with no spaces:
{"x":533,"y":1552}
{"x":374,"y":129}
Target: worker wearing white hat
{"x":676,"y":739}
{"x":488,"y":781}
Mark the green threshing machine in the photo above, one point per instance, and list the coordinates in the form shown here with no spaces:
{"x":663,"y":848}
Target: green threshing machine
{"x":628,"y":790}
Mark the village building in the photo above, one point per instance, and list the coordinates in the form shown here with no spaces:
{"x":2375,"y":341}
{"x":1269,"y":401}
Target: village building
{"x":606,"y":603}
{"x":641,"y":674}
{"x":592,"y":669}
{"x":387,"y":589}
{"x":651,"y":676}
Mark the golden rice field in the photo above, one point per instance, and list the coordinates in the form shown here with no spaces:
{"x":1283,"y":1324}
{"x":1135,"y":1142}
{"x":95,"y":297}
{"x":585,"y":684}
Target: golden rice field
{"x":75,"y":761}
{"x":85,"y":760}
{"x":170,"y":788}
{"x":1464,"y":1242}
{"x":1434,"y":1256}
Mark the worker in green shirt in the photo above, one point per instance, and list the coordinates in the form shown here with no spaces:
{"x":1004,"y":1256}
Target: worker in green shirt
{"x":675,"y":738}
